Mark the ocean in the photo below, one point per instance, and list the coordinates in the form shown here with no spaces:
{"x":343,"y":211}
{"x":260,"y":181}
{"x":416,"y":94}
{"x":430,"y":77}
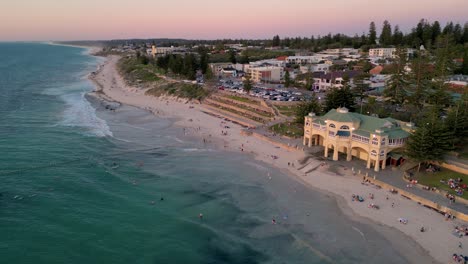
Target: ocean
{"x":82,"y":184}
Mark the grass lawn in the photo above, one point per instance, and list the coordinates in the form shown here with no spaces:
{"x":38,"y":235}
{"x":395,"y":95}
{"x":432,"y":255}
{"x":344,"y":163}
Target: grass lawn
{"x":242,"y":99}
{"x":289,"y":129}
{"x":258,"y":112}
{"x":287,"y":110}
{"x":433,"y":179}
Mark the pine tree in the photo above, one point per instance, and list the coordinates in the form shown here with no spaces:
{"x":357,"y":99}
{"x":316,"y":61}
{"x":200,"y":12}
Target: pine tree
{"x":360,"y":88}
{"x":464,"y":68}
{"x":247,"y":84}
{"x":386,"y":34}
{"x":340,"y":97}
{"x":444,"y":66}
{"x":419,"y":79}
{"x":372,"y":33}
{"x":303,"y":109}
{"x":397,"y":36}
{"x":232,"y":56}
{"x":431,"y":140}
{"x":276,"y":41}
{"x":395,"y":87}
{"x":457,"y":121}
{"x":436,"y":31}
{"x":287,"y":79}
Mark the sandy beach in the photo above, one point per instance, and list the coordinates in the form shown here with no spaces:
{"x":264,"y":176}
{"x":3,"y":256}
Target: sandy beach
{"x":438,"y":240}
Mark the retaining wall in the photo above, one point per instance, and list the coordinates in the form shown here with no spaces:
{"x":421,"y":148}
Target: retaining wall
{"x":419,"y":199}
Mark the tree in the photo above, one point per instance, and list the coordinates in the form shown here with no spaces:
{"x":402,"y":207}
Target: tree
{"x":395,"y":86}
{"x":244,"y":59}
{"x":337,"y":97}
{"x":397,"y":36}
{"x":372,"y":33}
{"x":310,"y":106}
{"x":360,"y":88}
{"x":276,"y":41}
{"x":232,"y":56}
{"x":436,"y":30}
{"x":287,"y":79}
{"x":386,"y":34}
{"x":247,"y":84}
{"x":420,"y":79}
{"x":203,"y":59}
{"x":464,"y":68}
{"x":430,"y":141}
{"x":427,"y":35}
{"x":444,"y":66}
{"x":457,"y":121}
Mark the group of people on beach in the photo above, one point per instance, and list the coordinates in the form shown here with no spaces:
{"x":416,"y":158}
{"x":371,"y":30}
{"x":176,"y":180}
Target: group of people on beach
{"x":459,"y":258}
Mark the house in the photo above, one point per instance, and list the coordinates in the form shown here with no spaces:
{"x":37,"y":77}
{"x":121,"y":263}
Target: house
{"x":378,"y":141}
{"x":376,"y":70}
{"x":325,"y":81}
{"x":320,"y":67}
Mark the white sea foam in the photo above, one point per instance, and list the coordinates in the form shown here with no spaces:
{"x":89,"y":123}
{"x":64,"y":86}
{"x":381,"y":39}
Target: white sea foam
{"x":80,"y":113}
{"x":197,"y":150}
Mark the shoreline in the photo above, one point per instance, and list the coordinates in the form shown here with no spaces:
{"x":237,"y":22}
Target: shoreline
{"x":437,"y":241}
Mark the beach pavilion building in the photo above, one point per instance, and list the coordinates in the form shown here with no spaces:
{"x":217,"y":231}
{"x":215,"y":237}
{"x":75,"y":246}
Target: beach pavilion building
{"x":365,"y":137}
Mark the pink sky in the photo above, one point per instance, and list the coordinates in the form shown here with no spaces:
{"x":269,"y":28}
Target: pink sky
{"x":209,"y":19}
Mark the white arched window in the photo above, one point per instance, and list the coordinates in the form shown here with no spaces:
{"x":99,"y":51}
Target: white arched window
{"x":344,"y":127}
{"x":332,"y":125}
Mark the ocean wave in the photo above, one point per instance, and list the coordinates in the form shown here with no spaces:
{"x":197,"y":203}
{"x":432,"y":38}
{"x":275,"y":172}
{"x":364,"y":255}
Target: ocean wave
{"x":197,"y":150}
{"x":80,"y":113}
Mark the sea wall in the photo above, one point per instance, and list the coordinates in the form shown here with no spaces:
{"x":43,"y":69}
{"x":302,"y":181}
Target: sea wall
{"x":418,"y":199}
{"x":454,"y":167}
{"x":270,"y":140}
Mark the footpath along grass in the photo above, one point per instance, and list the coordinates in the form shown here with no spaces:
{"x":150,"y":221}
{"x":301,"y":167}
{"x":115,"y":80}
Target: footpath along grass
{"x":432,"y":179}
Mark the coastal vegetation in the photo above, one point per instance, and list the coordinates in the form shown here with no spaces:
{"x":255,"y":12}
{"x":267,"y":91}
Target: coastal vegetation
{"x":179,"y":89}
{"x":134,"y":71}
{"x":289,"y":129}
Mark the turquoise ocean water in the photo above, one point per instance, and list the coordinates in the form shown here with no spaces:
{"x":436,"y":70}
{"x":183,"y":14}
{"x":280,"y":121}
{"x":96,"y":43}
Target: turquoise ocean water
{"x":80,"y":184}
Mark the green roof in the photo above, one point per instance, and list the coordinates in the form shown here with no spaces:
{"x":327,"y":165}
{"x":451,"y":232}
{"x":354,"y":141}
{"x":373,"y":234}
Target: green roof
{"x":340,"y":117}
{"x":361,"y":133}
{"x":367,"y":124}
{"x":398,"y":133}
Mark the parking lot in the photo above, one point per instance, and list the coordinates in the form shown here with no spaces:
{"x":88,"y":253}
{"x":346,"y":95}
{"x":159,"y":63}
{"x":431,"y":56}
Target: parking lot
{"x":273,"y":92}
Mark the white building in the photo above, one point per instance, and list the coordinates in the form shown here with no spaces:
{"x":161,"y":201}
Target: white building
{"x":321,"y":67}
{"x":303,"y":59}
{"x":271,"y":62}
{"x":326,"y":81}
{"x":387,"y":53}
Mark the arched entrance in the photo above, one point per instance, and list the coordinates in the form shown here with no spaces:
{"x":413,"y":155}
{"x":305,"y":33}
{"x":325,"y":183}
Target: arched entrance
{"x":359,"y":153}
